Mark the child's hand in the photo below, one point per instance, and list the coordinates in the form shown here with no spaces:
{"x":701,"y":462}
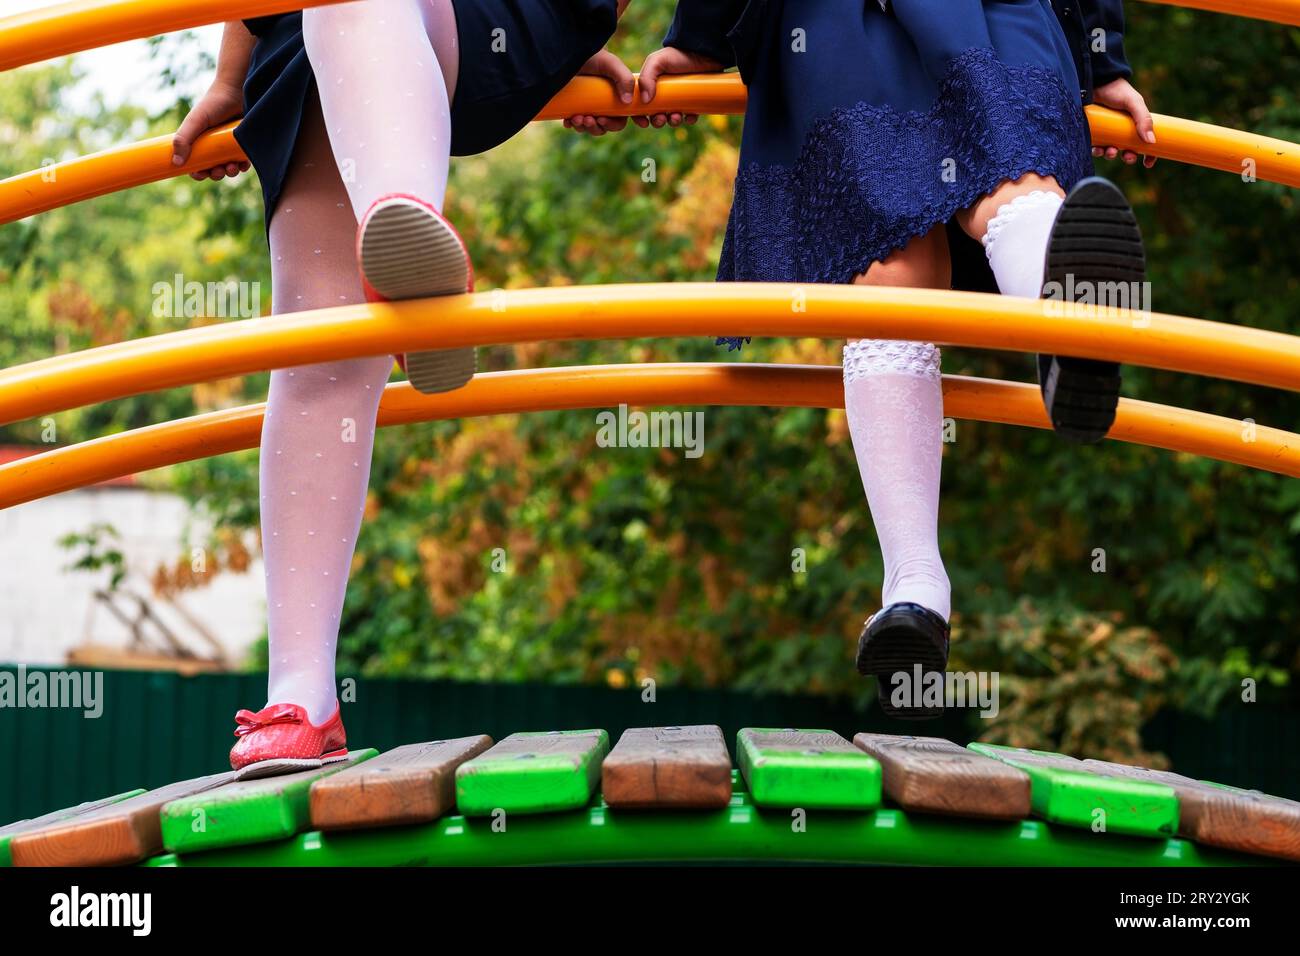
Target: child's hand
{"x":219,"y":104}
{"x":1120,"y":95}
{"x":605,"y":64}
{"x":670,"y":60}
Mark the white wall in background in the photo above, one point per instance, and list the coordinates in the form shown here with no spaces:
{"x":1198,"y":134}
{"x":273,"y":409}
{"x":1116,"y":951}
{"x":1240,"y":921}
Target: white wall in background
{"x":46,"y":610}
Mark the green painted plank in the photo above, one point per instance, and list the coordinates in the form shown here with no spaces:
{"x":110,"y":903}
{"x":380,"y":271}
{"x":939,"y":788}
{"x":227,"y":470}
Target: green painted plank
{"x":11,"y":830}
{"x":813,"y":769}
{"x":744,"y":834}
{"x":1223,"y":816}
{"x":1064,"y":791}
{"x":533,"y":773}
{"x":246,"y":811}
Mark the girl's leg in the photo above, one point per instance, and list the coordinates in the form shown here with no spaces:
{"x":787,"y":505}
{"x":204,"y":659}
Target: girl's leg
{"x":365,"y":57}
{"x":1014,"y":223}
{"x":975,"y":220}
{"x":894,"y":400}
{"x":1095,"y":249}
{"x":318,"y":434}
{"x":386,"y":70}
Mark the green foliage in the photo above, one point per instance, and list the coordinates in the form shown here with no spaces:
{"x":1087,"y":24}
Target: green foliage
{"x":626,"y":563}
{"x":94,"y":553}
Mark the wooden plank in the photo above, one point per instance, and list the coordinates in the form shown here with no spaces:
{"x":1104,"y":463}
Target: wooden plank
{"x":113,"y":835}
{"x":1223,"y":816}
{"x":668,"y":767}
{"x":933,"y":775}
{"x":533,"y":773}
{"x":10,"y":830}
{"x":246,"y":811}
{"x":1063,"y":791}
{"x":411,"y":784}
{"x":814,"y":769}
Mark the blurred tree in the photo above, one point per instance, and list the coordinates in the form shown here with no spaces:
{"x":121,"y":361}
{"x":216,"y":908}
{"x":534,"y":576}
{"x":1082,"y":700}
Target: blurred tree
{"x":1102,"y":582}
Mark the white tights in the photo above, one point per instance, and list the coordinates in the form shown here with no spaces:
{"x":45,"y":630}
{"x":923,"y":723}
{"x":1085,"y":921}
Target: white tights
{"x":353,"y":147}
{"x":894,"y":398}
{"x":386,"y":71}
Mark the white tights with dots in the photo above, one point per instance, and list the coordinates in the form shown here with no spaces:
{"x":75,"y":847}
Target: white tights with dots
{"x":386,"y":72}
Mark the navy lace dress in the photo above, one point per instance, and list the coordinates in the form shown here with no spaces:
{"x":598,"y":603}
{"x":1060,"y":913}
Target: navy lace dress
{"x":496,"y":94}
{"x":867,"y":127}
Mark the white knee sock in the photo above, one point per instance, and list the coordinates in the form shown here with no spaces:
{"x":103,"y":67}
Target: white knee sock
{"x":1016,"y":242}
{"x":383,"y":96}
{"x":894,"y":398}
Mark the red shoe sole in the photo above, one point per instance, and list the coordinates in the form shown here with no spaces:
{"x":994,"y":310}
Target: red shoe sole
{"x":408,"y":251}
{"x":276,"y":766}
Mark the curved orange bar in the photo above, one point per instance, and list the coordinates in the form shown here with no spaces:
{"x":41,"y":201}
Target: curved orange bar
{"x":647,"y":310}
{"x":603,"y":386}
{"x":1200,"y":144}
{"x":1279,"y":11}
{"x":718,"y":93}
{"x":86,"y":24}
{"x":136,"y":164}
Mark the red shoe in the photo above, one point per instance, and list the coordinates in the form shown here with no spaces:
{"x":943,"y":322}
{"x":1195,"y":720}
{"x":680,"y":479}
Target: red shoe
{"x":407,"y":250}
{"x":280,"y":739}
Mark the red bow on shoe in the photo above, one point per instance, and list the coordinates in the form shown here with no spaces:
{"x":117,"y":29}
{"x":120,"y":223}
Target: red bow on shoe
{"x":249,"y":721}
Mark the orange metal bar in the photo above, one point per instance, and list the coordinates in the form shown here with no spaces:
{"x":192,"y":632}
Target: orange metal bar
{"x":601,"y":386}
{"x":652,"y":311}
{"x":720,"y":93}
{"x":1279,"y":11}
{"x":136,"y":164}
{"x":86,"y":24}
{"x":1200,"y":144}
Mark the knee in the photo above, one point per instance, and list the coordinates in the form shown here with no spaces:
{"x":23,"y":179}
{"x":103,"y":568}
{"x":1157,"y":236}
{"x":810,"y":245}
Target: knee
{"x":907,"y":271}
{"x":335,"y":17}
{"x":974,"y":221}
{"x":924,"y":263}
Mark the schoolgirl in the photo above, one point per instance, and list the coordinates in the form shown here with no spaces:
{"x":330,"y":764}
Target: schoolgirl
{"x":879,"y":138}
{"x":350,"y":114}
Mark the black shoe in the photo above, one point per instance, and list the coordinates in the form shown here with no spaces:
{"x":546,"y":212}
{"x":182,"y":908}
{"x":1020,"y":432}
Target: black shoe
{"x":1094,"y":240}
{"x":897,"y":638}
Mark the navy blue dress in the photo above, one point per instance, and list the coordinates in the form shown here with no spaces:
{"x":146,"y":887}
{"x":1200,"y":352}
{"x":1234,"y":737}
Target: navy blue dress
{"x":867,"y":127}
{"x":496,"y":94}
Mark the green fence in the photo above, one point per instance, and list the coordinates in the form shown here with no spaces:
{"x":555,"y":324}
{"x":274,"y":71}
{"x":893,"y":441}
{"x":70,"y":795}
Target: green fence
{"x":156,"y":728}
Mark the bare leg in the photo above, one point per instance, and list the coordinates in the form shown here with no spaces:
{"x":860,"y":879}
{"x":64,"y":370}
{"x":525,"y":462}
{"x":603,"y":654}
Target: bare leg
{"x":318,"y":434}
{"x":894,"y":400}
{"x":975,"y":220}
{"x":1014,"y":222}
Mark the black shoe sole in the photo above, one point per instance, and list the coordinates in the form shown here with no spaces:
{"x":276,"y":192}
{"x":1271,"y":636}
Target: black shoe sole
{"x":1095,"y":240}
{"x":898,"y":647}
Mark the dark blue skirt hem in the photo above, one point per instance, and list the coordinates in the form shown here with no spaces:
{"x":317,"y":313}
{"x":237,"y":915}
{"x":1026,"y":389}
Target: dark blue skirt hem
{"x":869,"y":179}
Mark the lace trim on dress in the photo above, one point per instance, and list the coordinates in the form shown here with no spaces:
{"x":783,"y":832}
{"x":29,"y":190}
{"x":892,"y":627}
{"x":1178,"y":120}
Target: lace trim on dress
{"x":869,"y":179}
